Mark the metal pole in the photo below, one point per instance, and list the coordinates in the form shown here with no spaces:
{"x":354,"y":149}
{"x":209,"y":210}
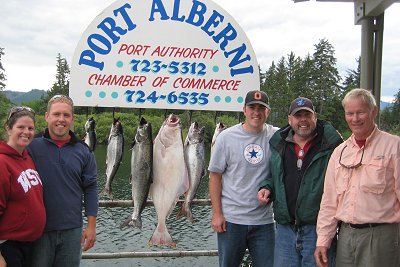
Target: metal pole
{"x":144,"y":254}
{"x":367,"y":40}
{"x":129,"y":203}
{"x":378,"y":61}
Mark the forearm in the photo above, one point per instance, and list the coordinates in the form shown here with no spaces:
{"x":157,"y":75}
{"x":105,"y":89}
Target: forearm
{"x":91,"y":222}
{"x":215,"y":189}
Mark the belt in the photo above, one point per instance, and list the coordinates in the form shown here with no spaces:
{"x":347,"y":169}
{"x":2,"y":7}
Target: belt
{"x":363,"y":225}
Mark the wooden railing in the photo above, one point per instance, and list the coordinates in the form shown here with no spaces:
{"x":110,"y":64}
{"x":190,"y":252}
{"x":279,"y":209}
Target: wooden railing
{"x":151,"y":254}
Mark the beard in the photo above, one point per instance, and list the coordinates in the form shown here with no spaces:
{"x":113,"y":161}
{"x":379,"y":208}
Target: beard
{"x":304,"y":132}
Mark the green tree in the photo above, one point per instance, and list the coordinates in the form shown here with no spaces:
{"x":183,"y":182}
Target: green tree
{"x":262,"y":75}
{"x":294,"y":68}
{"x":305,"y":82}
{"x":61,"y":84}
{"x":352,"y":79}
{"x":2,"y":70}
{"x":326,"y":78}
{"x":277,"y":87}
{"x":269,"y":87}
{"x":389,"y":117}
{"x":5,"y":104}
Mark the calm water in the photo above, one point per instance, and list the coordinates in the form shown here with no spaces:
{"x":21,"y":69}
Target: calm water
{"x":110,"y":238}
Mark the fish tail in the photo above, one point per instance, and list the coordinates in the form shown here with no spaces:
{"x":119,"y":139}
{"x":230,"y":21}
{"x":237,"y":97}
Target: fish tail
{"x":137,"y":223}
{"x":161,"y":237}
{"x":185,"y":212}
{"x":181,"y":213}
{"x":108,"y":191}
{"x":132,"y":222}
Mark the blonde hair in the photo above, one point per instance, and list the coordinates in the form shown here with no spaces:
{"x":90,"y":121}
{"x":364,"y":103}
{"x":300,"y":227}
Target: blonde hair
{"x":60,"y":99}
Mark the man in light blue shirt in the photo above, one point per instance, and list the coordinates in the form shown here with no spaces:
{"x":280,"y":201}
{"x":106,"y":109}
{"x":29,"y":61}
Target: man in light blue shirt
{"x":238,"y":164}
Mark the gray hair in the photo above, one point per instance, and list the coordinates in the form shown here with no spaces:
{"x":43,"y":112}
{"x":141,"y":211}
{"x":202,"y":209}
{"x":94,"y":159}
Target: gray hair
{"x":362,"y":94}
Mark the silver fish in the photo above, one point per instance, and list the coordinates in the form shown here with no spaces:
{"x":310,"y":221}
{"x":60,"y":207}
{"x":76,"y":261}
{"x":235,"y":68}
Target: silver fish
{"x":115,"y":149}
{"x":170,"y":178}
{"x":195,"y":163}
{"x":90,"y":137}
{"x":218,"y":129}
{"x":141,"y":171}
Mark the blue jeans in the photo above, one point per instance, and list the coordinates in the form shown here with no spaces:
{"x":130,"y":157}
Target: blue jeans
{"x":295,"y":246}
{"x":258,"y":239}
{"x":58,"y":249}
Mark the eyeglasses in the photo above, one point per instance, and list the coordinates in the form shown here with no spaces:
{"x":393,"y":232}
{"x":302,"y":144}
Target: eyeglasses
{"x":55,"y":97}
{"x":15,"y":110}
{"x":352,"y":166}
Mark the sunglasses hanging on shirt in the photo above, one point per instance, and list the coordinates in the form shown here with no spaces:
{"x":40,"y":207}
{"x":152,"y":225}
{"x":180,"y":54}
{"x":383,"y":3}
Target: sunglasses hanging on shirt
{"x":300,"y":156}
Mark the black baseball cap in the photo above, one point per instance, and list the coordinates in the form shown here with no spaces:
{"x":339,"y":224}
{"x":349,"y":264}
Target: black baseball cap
{"x":301,"y":103}
{"x":257,"y":97}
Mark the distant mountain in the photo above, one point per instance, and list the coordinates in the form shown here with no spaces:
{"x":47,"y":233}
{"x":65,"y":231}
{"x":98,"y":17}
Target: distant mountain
{"x":385,"y":105}
{"x":20,"y":97}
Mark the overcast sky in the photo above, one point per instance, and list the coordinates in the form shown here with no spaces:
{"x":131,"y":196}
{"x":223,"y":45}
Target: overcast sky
{"x":34,"y":32}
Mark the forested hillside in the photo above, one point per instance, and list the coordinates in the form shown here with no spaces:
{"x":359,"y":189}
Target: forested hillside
{"x":315,"y":76}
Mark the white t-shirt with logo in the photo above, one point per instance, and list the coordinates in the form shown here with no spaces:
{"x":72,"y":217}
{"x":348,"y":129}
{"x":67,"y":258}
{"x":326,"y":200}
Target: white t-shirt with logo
{"x":243,"y":158}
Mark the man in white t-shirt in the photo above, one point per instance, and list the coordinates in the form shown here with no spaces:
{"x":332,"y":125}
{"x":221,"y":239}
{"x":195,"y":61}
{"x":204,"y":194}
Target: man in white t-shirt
{"x":237,"y":166}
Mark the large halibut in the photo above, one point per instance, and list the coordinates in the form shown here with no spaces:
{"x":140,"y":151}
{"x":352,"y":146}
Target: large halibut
{"x":170,"y":178}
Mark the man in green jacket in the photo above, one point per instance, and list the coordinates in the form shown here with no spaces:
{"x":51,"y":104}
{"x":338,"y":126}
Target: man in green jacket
{"x":300,"y":155}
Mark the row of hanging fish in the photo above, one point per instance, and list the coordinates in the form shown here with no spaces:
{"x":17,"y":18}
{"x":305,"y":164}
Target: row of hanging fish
{"x":163,"y":169}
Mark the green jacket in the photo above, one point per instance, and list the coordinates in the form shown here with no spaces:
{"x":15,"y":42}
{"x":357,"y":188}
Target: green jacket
{"x":312,"y":183}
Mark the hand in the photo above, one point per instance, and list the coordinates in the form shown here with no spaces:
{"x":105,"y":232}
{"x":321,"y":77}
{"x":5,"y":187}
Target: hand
{"x":263,"y":196}
{"x":89,"y":234}
{"x":218,"y":223}
{"x":321,"y":256}
{"x":88,"y":239}
{"x":2,"y":261}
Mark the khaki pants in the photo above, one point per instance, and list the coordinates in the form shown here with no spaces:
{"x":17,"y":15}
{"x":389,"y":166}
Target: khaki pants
{"x":369,"y":247}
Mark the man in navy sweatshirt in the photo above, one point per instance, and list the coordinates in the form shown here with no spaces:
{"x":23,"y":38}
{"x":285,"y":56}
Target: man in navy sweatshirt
{"x":68,"y":171}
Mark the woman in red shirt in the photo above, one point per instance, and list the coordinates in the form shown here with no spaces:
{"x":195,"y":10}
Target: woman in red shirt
{"x":22,"y":213}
